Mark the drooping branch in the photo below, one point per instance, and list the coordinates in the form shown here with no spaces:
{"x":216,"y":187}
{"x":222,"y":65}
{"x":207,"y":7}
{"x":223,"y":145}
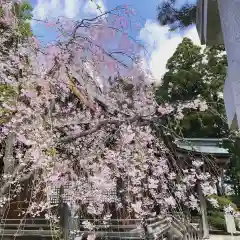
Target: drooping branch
{"x":82,"y":22}
{"x":17,"y":170}
{"x":116,"y":139}
{"x":101,"y":124}
{"x":8,"y":184}
{"x":106,"y":53}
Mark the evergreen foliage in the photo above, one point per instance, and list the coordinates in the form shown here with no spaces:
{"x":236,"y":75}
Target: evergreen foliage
{"x":23,"y":12}
{"x":169,"y":14}
{"x":196,"y":73}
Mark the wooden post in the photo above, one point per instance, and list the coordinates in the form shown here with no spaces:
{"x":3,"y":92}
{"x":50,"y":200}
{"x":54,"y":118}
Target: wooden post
{"x":64,"y":215}
{"x":8,"y":158}
{"x":222,"y":181}
{"x":66,"y":226}
{"x":203,"y":208}
{"x":170,"y":236}
{"x":74,"y":222}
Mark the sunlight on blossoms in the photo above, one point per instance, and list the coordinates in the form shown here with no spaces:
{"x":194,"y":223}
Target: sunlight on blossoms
{"x":79,"y":128}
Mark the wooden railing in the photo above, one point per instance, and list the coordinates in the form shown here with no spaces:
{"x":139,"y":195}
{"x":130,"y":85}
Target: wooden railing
{"x":172,"y":228}
{"x":152,"y":228}
{"x":136,"y":229}
{"x":114,"y":228}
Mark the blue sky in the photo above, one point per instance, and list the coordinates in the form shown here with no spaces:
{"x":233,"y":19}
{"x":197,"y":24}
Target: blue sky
{"x":147,"y":9}
{"x":162,"y":44}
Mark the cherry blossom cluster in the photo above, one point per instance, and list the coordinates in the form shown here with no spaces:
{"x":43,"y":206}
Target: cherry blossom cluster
{"x":82,"y":118}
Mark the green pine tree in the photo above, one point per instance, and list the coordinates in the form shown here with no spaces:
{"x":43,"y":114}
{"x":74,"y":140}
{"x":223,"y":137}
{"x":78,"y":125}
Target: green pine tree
{"x":169,"y":14}
{"x":195,"y":73}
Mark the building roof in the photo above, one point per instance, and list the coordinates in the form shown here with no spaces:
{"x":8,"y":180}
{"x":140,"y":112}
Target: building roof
{"x":202,"y":145}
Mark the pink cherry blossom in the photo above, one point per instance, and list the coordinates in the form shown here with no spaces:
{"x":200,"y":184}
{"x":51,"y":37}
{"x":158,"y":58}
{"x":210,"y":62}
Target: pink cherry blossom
{"x":84,"y":121}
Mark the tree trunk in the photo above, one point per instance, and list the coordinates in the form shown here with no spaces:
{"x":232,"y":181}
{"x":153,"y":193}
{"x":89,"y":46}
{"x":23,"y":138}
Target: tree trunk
{"x":8,"y":159}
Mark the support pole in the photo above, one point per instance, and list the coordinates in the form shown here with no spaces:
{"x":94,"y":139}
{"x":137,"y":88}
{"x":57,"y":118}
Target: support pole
{"x":203,"y":208}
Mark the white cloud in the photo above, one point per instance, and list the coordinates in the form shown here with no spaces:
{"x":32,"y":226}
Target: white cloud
{"x":46,"y":8}
{"x":92,"y":7}
{"x":67,"y":8}
{"x":162,"y":44}
{"x":72,"y":8}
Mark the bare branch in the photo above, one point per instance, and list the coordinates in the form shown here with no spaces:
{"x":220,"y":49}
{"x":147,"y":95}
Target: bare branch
{"x":123,"y":53}
{"x":103,"y":50}
{"x":97,"y":127}
{"x":54,"y":68}
{"x":81,"y":23}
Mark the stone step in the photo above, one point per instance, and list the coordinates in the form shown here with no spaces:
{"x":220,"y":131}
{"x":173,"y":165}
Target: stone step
{"x":35,"y":228}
